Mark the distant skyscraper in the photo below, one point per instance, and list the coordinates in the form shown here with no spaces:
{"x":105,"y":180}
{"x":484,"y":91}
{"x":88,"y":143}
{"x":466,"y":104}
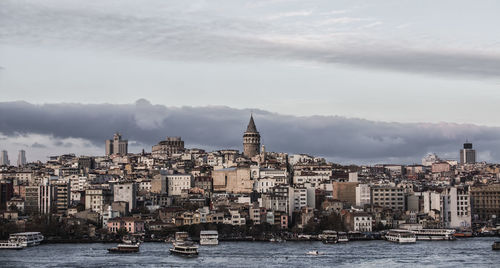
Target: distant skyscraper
{"x":4,"y":159}
{"x":117,"y":146}
{"x":251,"y":140}
{"x":21,"y":158}
{"x":467,"y":154}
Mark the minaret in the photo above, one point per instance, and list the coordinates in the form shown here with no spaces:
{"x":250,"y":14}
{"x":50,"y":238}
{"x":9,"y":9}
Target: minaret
{"x":251,"y":140}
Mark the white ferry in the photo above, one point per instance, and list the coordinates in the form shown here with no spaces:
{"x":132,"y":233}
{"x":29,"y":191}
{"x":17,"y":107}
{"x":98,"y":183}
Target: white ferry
{"x":209,"y":238}
{"x":434,"y":234}
{"x":27,"y":239}
{"x":400,"y":236}
{"x":185,"y":249}
{"x":11,"y":244}
{"x":125,"y":248}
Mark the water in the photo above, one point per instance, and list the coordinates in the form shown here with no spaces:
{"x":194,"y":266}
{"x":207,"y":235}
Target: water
{"x":475,"y":252}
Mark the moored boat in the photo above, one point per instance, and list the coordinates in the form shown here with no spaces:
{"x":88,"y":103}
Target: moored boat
{"x":209,"y":238}
{"x":434,"y":234}
{"x":342,"y":237}
{"x":27,"y":239}
{"x":329,"y":237}
{"x":400,"y":236}
{"x":188,"y":249}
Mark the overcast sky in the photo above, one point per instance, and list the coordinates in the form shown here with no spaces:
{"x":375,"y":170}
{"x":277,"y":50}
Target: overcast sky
{"x":417,"y":63}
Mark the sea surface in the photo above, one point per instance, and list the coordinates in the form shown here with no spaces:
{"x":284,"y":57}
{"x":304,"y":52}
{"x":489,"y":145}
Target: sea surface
{"x":473,"y":252}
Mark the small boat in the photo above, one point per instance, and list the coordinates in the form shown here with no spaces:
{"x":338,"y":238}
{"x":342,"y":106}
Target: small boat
{"x":401,"y":236}
{"x":188,"y":249}
{"x":496,"y":245}
{"x":125,"y":248}
{"x":313,"y":253}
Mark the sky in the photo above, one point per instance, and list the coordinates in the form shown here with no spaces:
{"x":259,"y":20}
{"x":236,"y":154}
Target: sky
{"x":383,"y":71}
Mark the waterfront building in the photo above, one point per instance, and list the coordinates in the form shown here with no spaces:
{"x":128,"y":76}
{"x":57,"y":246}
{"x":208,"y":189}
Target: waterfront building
{"x":251,"y":140}
{"x":168,"y":147}
{"x":467,"y":154}
{"x":485,"y":200}
{"x":117,"y":146}
{"x":130,"y":224}
{"x":127,"y":192}
{"x":21,"y":158}
{"x":358,"y":221}
{"x":455,"y":208}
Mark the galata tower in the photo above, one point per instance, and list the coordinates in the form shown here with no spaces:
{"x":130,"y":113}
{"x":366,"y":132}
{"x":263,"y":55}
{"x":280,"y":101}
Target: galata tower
{"x":251,"y":140}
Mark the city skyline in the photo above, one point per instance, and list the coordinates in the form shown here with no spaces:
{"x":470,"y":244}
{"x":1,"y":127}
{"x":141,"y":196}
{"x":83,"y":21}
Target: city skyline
{"x":348,"y":141}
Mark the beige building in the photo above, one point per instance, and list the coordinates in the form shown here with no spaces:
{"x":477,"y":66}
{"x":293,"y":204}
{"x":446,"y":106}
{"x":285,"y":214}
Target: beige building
{"x":233,"y":180}
{"x":177,"y":183}
{"x":345,"y":191}
{"x":117,"y":146}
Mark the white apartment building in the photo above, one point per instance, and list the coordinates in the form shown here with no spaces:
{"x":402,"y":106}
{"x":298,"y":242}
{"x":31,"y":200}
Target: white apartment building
{"x":363,"y":195}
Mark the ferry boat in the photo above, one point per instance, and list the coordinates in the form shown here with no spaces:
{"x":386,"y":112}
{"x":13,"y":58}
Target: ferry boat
{"x":11,"y":244}
{"x":27,"y":239}
{"x":342,"y":237}
{"x":329,"y":237}
{"x":434,"y":234}
{"x":125,"y":248}
{"x":209,"y":238}
{"x":496,"y":245}
{"x":400,"y":236}
{"x":185,"y":249}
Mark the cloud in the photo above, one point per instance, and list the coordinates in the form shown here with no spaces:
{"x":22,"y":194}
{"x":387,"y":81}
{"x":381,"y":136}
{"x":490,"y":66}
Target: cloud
{"x":177,"y":32}
{"x":340,"y":139}
{"x":38,"y":145}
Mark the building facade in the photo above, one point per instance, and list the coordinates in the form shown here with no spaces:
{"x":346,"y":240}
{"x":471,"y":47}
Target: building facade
{"x":467,"y":154}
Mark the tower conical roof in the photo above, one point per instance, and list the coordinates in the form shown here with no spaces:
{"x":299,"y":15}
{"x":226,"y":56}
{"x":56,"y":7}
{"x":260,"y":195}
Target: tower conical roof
{"x":251,"y":125}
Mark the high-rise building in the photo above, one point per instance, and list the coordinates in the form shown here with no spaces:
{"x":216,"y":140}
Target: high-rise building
{"x":21,"y":158}
{"x":467,"y":154}
{"x":4,"y":159}
{"x":251,"y":140}
{"x":117,"y":146}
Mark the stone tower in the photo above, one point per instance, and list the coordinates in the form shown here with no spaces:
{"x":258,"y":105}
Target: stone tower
{"x":251,"y":140}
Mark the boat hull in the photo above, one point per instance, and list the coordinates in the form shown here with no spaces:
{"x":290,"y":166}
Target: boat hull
{"x":181,"y":253}
{"x":120,"y":250}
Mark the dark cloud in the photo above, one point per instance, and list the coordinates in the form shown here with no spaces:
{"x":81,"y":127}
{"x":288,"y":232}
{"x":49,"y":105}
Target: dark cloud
{"x":38,"y":145}
{"x":338,"y":138}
